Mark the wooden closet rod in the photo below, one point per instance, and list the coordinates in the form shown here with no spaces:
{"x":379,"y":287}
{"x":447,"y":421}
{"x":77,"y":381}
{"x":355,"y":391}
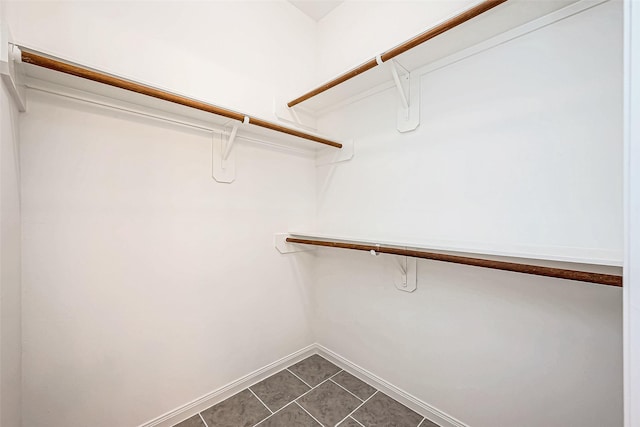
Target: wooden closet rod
{"x":96,"y":76}
{"x":582,"y":276}
{"x":401,"y":48}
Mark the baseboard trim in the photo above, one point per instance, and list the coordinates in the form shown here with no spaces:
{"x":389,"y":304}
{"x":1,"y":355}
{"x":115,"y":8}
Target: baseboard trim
{"x":424,"y":409}
{"x":183,"y":412}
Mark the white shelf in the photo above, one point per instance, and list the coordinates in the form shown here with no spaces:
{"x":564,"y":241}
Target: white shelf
{"x":46,"y":80}
{"x":504,"y":22}
{"x":590,"y":257}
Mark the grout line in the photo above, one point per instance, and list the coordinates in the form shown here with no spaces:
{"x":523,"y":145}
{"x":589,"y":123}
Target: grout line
{"x":302,"y":407}
{"x":305,"y":383}
{"x":272,"y":414}
{"x":360,"y":405}
{"x":347,"y":391}
{"x":309,"y":391}
{"x":268,"y":409}
{"x":294,"y":401}
{"x":203,"y":421}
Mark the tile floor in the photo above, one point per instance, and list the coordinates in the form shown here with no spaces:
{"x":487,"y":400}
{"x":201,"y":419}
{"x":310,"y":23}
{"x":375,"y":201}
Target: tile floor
{"x":310,"y":393}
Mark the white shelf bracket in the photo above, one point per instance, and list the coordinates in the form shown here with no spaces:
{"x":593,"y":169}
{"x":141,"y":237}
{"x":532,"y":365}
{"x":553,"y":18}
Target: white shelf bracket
{"x":331,"y":155}
{"x":402,"y":92}
{"x":408,"y":88}
{"x":406,"y":275}
{"x":405,"y":271}
{"x":409,"y":119}
{"x":296,"y":115}
{"x":280,"y":242}
{"x":229,"y":145}
{"x":10,"y":59}
{"x":223,"y":156}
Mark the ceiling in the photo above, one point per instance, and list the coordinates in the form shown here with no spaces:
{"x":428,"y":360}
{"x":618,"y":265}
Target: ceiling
{"x":315,"y":9}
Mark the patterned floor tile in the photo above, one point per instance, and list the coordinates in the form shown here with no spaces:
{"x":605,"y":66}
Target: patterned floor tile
{"x":329,"y":403}
{"x":315,"y":369}
{"x":428,"y":423}
{"x":383,"y":411}
{"x":280,"y":389}
{"x":241,"y":410}
{"x":291,"y":416}
{"x":354,"y":385}
{"x":194,"y":421}
{"x":349,"y":422}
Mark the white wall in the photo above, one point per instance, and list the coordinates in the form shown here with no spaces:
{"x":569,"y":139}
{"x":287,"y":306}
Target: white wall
{"x":488,"y":348}
{"x":10,"y":290}
{"x":146,"y":283}
{"x":518,"y":146}
{"x":512,"y":149}
{"x":632,"y":207}
{"x":237,"y":54}
{"x":357,"y":31}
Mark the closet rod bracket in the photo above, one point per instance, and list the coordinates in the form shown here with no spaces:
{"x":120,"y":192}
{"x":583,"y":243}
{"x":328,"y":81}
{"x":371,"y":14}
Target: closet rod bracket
{"x":327,"y":156}
{"x":10,"y":68}
{"x":223,"y":155}
{"x":407,"y":85}
{"x":281,"y":244}
{"x":403,"y":93}
{"x":406,"y":273}
{"x":232,"y":139}
{"x":298,"y":115}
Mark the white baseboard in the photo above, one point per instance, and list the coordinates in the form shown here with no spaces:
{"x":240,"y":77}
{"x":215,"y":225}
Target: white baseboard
{"x":412,"y":402}
{"x":183,"y":412}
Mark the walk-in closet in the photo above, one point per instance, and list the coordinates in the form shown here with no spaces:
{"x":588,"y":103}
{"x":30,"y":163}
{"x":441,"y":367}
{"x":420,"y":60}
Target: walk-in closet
{"x":303,"y":213}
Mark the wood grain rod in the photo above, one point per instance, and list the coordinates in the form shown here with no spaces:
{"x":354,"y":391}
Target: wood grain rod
{"x":403,"y":47}
{"x":582,"y":276}
{"x":97,"y":76}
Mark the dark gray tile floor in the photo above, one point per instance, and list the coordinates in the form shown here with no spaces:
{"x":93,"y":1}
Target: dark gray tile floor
{"x":310,"y":393}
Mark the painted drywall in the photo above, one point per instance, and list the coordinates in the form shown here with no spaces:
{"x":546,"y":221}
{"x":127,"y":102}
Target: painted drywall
{"x":511,"y":151}
{"x":484,"y":347}
{"x":10,"y":268}
{"x":518,"y":145}
{"x":146,"y":283}
{"x":632,"y":207}
{"x":236,"y":54}
{"x":357,"y":31}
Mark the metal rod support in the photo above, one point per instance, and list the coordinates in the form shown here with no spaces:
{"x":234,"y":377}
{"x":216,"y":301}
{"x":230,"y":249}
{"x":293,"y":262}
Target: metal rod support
{"x":396,"y":79}
{"x":230,"y":141}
